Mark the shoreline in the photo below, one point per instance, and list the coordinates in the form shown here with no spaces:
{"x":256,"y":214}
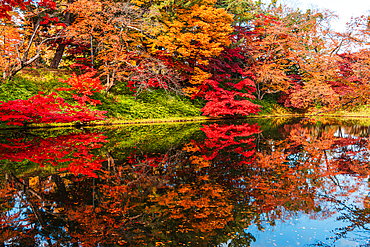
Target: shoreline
{"x":112,"y":122}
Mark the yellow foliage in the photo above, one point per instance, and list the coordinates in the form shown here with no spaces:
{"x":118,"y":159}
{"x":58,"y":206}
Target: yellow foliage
{"x":34,"y":182}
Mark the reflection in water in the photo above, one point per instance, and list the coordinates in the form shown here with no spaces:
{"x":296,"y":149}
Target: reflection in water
{"x":73,"y":150}
{"x":210,"y":186}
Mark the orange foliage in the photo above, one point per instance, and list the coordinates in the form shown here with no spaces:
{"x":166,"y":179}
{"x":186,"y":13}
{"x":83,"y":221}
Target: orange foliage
{"x":197,"y":33}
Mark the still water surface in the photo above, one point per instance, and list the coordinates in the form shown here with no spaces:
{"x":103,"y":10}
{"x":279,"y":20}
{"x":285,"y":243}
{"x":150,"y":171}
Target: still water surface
{"x":263,"y":183}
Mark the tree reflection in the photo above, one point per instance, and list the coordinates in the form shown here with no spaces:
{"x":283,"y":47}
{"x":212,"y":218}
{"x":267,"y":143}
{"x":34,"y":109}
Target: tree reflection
{"x":36,"y":218}
{"x":72,"y":152}
{"x":207,"y":191}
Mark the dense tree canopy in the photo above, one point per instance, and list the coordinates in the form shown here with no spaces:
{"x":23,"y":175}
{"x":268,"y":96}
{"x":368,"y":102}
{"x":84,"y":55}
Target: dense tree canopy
{"x":225,"y":52}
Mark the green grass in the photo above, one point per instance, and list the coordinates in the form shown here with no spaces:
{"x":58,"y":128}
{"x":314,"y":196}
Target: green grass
{"x":121,"y":104}
{"x":149,"y":105}
{"x":29,"y":83}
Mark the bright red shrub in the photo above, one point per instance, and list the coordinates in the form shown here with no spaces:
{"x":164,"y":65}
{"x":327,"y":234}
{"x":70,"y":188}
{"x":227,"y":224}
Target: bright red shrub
{"x":43,"y":108}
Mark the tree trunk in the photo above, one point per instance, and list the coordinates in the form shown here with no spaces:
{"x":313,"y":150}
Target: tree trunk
{"x":58,"y":55}
{"x":61,"y":45}
{"x":110,"y":81}
{"x":60,"y":185}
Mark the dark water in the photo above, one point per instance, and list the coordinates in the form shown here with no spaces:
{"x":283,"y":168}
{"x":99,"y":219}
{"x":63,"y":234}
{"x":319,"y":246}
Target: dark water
{"x":263,"y":183}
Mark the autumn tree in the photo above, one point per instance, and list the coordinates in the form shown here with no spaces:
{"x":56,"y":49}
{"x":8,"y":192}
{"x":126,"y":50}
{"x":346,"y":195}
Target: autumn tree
{"x":208,"y":57}
{"x":351,"y":80}
{"x":120,"y":54}
{"x":24,"y":36}
{"x":295,"y":47}
{"x":7,"y":6}
{"x":191,"y":34}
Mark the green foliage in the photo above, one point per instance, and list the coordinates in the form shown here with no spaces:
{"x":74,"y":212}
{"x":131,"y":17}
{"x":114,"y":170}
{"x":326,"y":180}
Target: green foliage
{"x":120,"y":104}
{"x":28,"y":83}
{"x":148,"y":105}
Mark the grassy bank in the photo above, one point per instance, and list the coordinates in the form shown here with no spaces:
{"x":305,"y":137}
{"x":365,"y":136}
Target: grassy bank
{"x":149,"y":107}
{"x":120,"y":104}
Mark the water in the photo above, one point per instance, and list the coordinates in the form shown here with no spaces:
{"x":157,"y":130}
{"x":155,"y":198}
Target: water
{"x":245,"y":183}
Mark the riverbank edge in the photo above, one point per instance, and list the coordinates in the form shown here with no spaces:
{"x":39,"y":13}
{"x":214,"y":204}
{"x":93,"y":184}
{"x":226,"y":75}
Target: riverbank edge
{"x":112,"y":122}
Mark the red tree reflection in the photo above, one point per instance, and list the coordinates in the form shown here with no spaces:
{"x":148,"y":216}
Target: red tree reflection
{"x":72,"y":152}
{"x":202,"y":192}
